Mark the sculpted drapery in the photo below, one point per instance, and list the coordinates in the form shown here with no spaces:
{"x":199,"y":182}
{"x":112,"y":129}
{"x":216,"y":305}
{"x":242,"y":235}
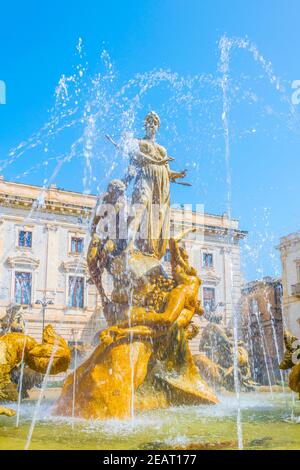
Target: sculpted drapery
{"x":150,"y":224}
{"x":152,"y":192}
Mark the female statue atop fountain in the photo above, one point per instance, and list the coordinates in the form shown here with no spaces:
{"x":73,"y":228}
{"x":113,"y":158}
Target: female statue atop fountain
{"x":151,"y":193}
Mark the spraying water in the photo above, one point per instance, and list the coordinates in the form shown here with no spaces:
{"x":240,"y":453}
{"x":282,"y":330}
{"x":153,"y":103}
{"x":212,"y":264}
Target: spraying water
{"x":89,"y":106}
{"x":263,"y":343}
{"x":225,"y":47}
{"x":20,"y":384}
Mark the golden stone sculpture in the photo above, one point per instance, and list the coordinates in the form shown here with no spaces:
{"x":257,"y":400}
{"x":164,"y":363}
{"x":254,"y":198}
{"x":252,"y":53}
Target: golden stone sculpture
{"x":143,"y":360}
{"x":216,"y":364}
{"x":16,"y":347}
{"x":13,"y":322}
{"x":291,"y":360}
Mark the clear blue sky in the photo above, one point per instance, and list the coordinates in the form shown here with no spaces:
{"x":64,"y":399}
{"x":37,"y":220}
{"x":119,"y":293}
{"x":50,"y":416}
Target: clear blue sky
{"x":37,"y":45}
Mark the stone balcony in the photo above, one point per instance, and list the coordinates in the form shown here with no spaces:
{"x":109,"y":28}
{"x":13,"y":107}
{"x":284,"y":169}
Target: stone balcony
{"x":296,"y":289}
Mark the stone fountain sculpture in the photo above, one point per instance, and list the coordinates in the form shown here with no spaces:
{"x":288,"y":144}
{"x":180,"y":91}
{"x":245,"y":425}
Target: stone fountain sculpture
{"x":13,"y":322}
{"x":216,"y":363}
{"x":143,"y":360}
{"x":291,"y":360}
{"x":16,"y":348}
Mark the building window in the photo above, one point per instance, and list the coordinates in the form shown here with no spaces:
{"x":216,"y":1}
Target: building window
{"x":254,"y":310}
{"x":23,"y":283}
{"x":278,"y":295}
{"x":25,"y":238}
{"x":298,"y":272}
{"x":76,"y":291}
{"x":76,"y":245}
{"x":167,"y":257}
{"x":209,"y":299}
{"x":208,"y":260}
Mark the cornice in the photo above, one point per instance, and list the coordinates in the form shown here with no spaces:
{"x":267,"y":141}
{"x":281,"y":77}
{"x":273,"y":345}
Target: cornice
{"x":77,"y":210}
{"x":22,"y":260}
{"x":21,"y":202}
{"x":210,"y":229}
{"x":75,"y":266}
{"x":210,"y":276}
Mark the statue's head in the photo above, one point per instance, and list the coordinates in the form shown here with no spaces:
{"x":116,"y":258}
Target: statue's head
{"x":151,"y":123}
{"x":13,"y":309}
{"x":116,"y":185}
{"x":17,"y":325}
{"x":13,"y":320}
{"x":116,"y":188}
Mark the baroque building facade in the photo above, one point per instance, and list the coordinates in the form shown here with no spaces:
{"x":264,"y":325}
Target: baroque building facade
{"x":44,"y":236}
{"x":289,"y":248}
{"x":261,"y":308}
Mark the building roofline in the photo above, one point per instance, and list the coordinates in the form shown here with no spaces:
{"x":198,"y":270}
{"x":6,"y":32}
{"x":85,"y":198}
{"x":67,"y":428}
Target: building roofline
{"x":92,"y":195}
{"x":91,"y":199}
{"x":49,"y":188}
{"x":289,"y":239}
{"x":266,"y":280}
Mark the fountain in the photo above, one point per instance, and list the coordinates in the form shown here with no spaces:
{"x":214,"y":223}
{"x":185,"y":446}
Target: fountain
{"x":143,"y":360}
{"x":141,"y":387}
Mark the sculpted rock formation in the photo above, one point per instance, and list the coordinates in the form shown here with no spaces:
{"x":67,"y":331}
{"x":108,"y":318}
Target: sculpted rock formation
{"x":143,"y":360}
{"x":216,"y":364}
{"x":291,"y":360}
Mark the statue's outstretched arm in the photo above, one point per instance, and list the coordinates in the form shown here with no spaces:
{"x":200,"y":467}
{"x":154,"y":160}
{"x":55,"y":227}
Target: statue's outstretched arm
{"x":183,"y":234}
{"x":177,"y":174}
{"x":185,"y":317}
{"x":140,"y":158}
{"x":175,"y":305}
{"x":175,"y":254}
